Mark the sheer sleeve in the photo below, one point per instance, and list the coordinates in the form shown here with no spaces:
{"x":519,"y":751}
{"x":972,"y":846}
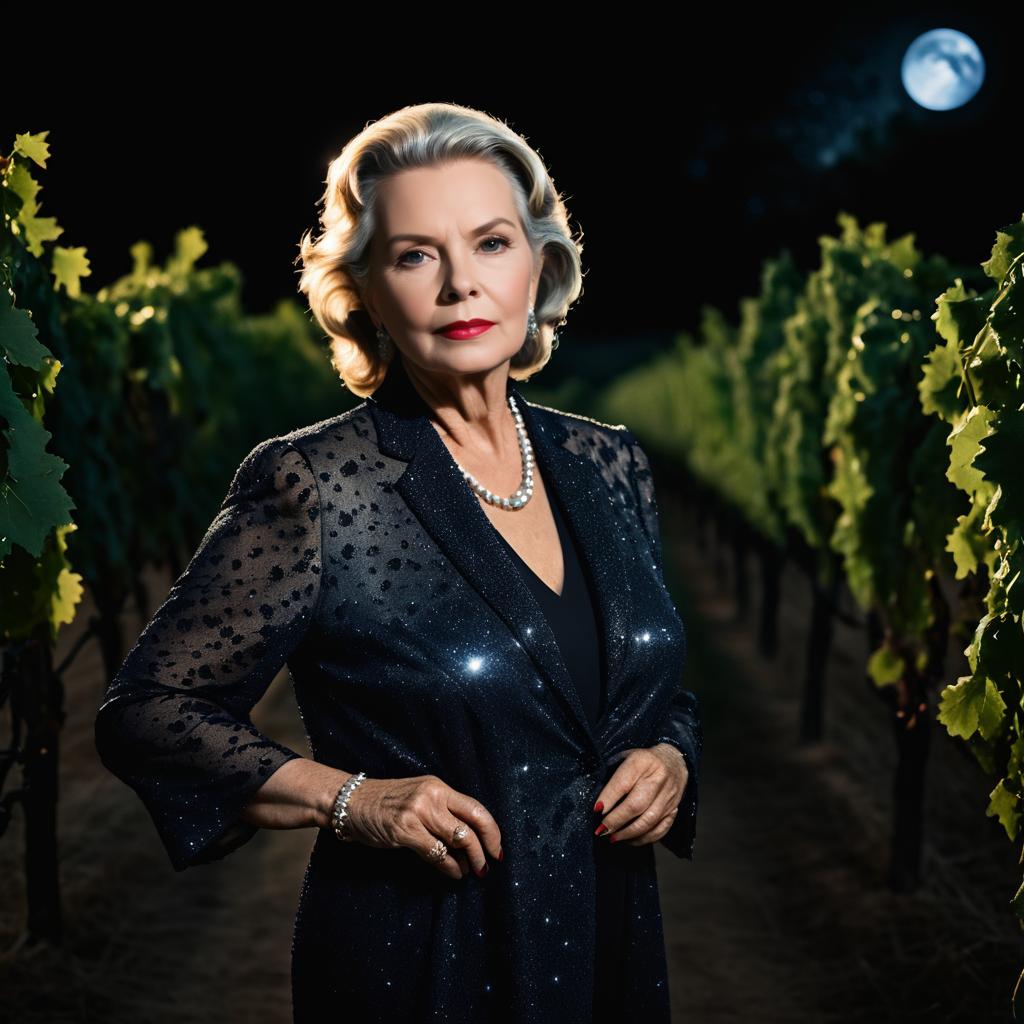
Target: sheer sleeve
{"x":175,"y":721}
{"x":682,"y":727}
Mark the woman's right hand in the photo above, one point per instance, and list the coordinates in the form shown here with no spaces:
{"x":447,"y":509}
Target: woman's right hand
{"x":415,"y":812}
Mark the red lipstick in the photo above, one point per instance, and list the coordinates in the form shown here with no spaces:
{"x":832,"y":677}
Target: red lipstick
{"x":459,"y":330}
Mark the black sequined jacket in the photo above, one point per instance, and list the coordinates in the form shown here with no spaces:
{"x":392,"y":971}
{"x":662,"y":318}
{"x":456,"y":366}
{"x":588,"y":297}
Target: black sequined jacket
{"x":354,"y":552}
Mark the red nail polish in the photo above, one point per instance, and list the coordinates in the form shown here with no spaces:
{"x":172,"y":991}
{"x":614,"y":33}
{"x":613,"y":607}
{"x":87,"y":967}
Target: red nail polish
{"x":599,"y":806}
{"x":501,"y":853}
{"x":611,"y":839}
{"x":600,"y":829}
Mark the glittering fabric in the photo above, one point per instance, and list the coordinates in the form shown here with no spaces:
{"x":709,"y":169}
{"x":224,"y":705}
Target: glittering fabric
{"x":353,"y":551}
{"x":571,"y":616}
{"x":573,"y":619}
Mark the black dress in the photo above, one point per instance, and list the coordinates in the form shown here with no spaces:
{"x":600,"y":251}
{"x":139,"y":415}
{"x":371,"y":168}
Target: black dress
{"x":573,"y":619}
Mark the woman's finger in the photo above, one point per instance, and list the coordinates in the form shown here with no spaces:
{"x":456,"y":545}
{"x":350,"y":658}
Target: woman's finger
{"x":618,"y":786}
{"x":488,"y":836}
{"x":658,"y":832}
{"x":641,"y":795}
{"x":638,"y":825}
{"x":467,"y":849}
{"x":423,"y":842}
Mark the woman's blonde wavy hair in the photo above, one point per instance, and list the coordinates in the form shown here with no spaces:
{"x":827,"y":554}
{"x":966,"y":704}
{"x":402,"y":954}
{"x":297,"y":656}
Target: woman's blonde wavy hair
{"x":337,"y":263}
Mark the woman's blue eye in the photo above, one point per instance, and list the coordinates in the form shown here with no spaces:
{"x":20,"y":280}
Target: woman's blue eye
{"x":497,"y":238}
{"x":491,"y":238}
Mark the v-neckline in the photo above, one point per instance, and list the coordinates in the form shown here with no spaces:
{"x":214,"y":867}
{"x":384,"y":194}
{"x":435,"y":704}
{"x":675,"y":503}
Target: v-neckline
{"x":563,"y":537}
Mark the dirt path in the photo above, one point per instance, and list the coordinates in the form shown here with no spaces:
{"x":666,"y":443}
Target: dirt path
{"x":782,"y":916}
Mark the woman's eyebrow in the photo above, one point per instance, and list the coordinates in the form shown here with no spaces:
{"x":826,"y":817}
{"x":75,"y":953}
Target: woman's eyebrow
{"x":426,"y":238}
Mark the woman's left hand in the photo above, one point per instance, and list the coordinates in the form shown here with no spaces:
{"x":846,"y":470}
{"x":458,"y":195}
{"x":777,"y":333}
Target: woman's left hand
{"x":641,"y":799}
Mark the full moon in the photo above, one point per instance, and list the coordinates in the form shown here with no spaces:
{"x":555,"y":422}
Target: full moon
{"x":942,"y":69}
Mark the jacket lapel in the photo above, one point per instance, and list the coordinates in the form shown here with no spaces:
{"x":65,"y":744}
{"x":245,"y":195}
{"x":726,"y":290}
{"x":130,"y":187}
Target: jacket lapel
{"x":435,"y":491}
{"x":587,"y":504}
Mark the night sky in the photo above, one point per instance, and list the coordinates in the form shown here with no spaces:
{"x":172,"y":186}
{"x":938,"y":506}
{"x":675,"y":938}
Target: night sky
{"x":689,"y":152}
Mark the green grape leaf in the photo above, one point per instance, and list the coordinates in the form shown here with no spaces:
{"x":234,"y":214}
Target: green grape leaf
{"x":965,"y":440}
{"x":32,"y":500}
{"x":997,"y":652}
{"x":1003,"y":804}
{"x":902,"y":254}
{"x":189,"y":245}
{"x":69,"y":267}
{"x":38,"y":230}
{"x":1000,"y":459}
{"x":33,"y":146}
{"x":966,"y":543}
{"x":971,"y":705}
{"x":1005,"y":318}
{"x":26,"y":188}
{"x":35,"y":590}
{"x":959,"y":317}
{"x":939,"y":384}
{"x":1009,"y":570}
{"x":18,"y":336}
{"x":886,"y":666}
{"x":1009,"y":244}
{"x":63,"y":587}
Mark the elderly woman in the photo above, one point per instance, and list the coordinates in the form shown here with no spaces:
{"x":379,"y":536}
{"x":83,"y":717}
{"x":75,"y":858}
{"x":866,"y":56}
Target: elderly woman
{"x":467,"y":589}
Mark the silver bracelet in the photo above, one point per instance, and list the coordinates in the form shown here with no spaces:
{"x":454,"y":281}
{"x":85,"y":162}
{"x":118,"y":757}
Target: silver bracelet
{"x":339,"y":816}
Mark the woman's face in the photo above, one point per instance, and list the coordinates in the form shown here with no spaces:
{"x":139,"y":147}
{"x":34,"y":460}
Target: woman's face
{"x":451,"y":270}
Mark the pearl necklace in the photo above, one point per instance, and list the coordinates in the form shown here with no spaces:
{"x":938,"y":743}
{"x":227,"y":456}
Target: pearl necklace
{"x":525,"y":492}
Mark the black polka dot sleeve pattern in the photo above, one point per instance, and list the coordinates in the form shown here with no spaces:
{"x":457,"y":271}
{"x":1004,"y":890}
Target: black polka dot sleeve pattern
{"x":682,"y":728}
{"x":175,"y":722}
